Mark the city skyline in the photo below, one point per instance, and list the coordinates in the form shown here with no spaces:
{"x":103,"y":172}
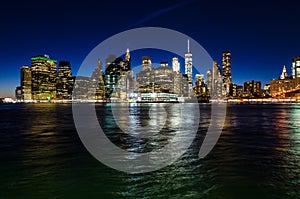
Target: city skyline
{"x":262,"y":42}
{"x":44,"y":79}
{"x":48,"y":79}
{"x":167,"y":57}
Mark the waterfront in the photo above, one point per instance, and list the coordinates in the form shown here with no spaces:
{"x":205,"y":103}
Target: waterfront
{"x":257,"y":156}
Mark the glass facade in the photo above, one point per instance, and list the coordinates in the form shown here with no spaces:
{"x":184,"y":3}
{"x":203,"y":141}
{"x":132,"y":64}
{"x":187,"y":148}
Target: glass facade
{"x":43,"y":73}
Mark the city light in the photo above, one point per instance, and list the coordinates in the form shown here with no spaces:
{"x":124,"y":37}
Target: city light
{"x":44,"y":81}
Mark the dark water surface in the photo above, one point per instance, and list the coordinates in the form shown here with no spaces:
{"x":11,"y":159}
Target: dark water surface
{"x":257,"y":156}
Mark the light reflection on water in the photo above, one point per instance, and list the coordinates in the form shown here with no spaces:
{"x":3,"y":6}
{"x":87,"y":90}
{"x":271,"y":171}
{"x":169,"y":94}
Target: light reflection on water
{"x":257,"y":156}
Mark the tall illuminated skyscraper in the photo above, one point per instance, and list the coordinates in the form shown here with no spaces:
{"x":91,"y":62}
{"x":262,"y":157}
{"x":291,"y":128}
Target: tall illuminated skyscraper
{"x":226,"y":68}
{"x":64,"y":85}
{"x":189,"y":66}
{"x":217,"y":81}
{"x":145,"y":78}
{"x":26,"y":83}
{"x":296,"y":70}
{"x":126,"y":64}
{"x":97,"y":86}
{"x":200,"y":89}
{"x":296,"y":67}
{"x":43,"y":72}
{"x":209,"y":81}
{"x":127,"y":57}
{"x":175,"y":64}
{"x":119,"y":80}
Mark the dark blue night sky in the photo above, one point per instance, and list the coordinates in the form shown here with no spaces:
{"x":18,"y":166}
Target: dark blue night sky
{"x":261,"y":35}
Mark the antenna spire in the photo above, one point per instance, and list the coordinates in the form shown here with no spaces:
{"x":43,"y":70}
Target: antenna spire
{"x":188,"y":43}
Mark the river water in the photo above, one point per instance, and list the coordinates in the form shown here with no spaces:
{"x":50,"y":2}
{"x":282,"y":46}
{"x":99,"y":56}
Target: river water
{"x":257,"y":156}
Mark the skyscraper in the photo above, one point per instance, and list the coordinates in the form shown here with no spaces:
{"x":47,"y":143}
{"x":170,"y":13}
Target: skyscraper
{"x":200,"y":89}
{"x":43,"y":73}
{"x":146,"y":63}
{"x":175,"y":64}
{"x":296,"y":68}
{"x":64,"y":86}
{"x":189,"y":66}
{"x":144,"y":79}
{"x":81,"y":88}
{"x":112,"y":77}
{"x":26,"y":83}
{"x":97,"y":88}
{"x":217,"y":85}
{"x":126,"y":64}
{"x":226,"y":68}
{"x":178,"y":80}
{"x":214,"y":81}
{"x":119,"y":79}
{"x":109,"y":60}
{"x":24,"y":91}
{"x":163,"y":79}
{"x":126,"y":82}
{"x":209,"y":81}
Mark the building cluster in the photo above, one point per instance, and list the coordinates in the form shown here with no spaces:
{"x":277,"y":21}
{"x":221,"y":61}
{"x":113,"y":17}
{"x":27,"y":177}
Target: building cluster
{"x":44,"y":80}
{"x":220,"y":85}
{"x":162,"y":79}
{"x":118,"y":84}
{"x":287,"y":86}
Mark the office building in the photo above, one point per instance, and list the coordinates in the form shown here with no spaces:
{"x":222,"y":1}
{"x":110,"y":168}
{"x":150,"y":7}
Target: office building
{"x":252,"y":89}
{"x":146,"y":63}
{"x":43,"y":73}
{"x":237,"y":91}
{"x":214,"y":81}
{"x":296,"y":67}
{"x":284,"y":83}
{"x":23,"y":92}
{"x":175,"y":64}
{"x":81,"y":88}
{"x":189,"y":66}
{"x":145,"y":78}
{"x":119,"y":80}
{"x":200,"y":89}
{"x":226,"y":69}
{"x":163,"y":79}
{"x":64,"y":86}
{"x":209,"y":81}
{"x":97,"y":90}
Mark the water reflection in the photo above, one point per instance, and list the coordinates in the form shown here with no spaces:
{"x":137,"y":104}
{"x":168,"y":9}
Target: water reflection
{"x":141,"y":120}
{"x":257,"y":149}
{"x":138,"y":123}
{"x":43,"y":148}
{"x":158,"y":148}
{"x":257,"y":156}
